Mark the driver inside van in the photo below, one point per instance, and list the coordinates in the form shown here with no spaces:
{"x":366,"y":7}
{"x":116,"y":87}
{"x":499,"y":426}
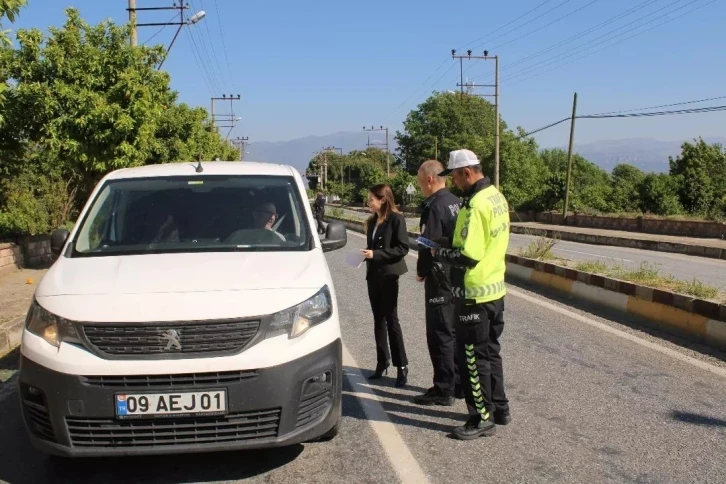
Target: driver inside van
{"x":264,"y":216}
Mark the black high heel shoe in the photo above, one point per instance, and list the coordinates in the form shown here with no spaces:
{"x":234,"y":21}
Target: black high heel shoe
{"x":381,"y":369}
{"x":402,"y":377}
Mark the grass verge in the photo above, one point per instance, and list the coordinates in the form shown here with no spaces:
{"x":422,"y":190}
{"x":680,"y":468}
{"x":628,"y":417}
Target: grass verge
{"x":540,"y":249}
{"x":648,"y":274}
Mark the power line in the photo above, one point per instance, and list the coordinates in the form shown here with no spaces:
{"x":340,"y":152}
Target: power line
{"x":707,"y":109}
{"x":452,"y":66}
{"x":526,"y":23}
{"x":159,"y":31}
{"x":205,"y":75}
{"x":206,"y":59}
{"x":579,"y":35}
{"x":664,"y":105}
{"x":578,"y":49}
{"x":224,"y":46}
{"x":497,"y":47}
{"x":211,"y":41}
{"x":610,"y":45}
{"x":507,"y":24}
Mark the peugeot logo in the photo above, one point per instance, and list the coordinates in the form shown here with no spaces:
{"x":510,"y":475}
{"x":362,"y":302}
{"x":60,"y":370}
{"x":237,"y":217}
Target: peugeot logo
{"x":172,"y":338}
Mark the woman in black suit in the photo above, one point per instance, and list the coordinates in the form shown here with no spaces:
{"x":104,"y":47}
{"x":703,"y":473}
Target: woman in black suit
{"x":385,"y":252}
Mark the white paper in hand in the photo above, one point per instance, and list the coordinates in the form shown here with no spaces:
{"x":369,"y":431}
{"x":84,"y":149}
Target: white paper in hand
{"x":355,"y":259}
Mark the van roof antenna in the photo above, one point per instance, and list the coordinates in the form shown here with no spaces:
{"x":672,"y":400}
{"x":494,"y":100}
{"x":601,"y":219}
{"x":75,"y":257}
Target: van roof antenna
{"x":199,"y":168}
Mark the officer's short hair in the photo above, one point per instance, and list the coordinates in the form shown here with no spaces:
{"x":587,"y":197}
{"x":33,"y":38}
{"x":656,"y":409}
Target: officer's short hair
{"x":432,"y":168}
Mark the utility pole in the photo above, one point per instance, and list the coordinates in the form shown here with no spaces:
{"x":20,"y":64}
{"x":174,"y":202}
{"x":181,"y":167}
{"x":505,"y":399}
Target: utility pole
{"x":227,"y":117}
{"x":436,"y":147}
{"x":181,"y":23}
{"x":132,"y":21}
{"x":486,"y":56}
{"x":388,"y":151}
{"x":569,"y":159}
{"x":241,"y":143}
{"x":325,"y":151}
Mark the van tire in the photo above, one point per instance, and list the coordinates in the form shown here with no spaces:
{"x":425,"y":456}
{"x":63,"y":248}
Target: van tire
{"x":330,"y":434}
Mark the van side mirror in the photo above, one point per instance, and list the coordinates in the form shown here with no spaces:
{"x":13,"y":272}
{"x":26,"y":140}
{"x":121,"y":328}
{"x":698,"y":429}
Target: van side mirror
{"x":57,"y":240}
{"x":336,"y":236}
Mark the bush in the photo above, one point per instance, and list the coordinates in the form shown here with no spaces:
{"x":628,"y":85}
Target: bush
{"x":34,"y":203}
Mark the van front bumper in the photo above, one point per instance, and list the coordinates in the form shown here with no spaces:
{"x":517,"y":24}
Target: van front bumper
{"x":75,"y":416}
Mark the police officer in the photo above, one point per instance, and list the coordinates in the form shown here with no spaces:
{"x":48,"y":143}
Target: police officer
{"x":477,"y":257}
{"x":319,"y":210}
{"x":438,"y":217}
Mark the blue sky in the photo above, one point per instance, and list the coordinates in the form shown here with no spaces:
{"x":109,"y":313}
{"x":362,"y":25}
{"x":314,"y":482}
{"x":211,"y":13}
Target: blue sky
{"x":313,"y":68}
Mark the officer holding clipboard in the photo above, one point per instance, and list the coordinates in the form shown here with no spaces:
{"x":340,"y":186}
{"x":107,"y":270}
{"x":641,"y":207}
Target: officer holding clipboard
{"x":438,"y":219}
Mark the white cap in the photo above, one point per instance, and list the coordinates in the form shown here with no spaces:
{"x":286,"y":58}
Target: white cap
{"x":460,"y":159}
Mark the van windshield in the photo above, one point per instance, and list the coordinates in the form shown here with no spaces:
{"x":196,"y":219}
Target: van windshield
{"x":190,"y":214}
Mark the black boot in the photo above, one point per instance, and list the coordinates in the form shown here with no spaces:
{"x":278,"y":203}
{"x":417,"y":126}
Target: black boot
{"x":433,"y":396}
{"x":502,"y":417}
{"x":402,"y":377}
{"x":381,"y":369}
{"x":474,"y":428}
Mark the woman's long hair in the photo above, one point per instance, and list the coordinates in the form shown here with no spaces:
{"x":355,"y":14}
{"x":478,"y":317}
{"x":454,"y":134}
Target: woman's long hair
{"x":383,"y":193}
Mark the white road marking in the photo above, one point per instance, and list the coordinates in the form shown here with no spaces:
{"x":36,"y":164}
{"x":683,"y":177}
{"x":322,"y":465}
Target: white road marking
{"x":593,"y":255}
{"x":630,"y":337}
{"x":609,"y":329}
{"x":399,"y":455}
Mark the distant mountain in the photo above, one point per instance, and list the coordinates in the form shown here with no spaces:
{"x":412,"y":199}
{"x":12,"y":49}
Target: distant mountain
{"x":648,"y":154}
{"x":298,"y":152}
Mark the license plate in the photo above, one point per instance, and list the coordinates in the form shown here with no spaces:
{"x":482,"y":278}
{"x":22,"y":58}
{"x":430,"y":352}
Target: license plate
{"x":212,"y":402}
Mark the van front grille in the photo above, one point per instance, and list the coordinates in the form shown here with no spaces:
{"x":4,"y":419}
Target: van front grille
{"x":183,"y":380}
{"x":236,"y":427}
{"x":158,"y":340}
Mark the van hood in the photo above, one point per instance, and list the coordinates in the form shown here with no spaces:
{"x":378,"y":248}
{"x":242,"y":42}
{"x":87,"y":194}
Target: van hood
{"x":181,"y":287}
{"x":184,"y":273}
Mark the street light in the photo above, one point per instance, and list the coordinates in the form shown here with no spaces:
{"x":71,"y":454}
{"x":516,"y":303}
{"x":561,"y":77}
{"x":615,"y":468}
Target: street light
{"x":192,"y":21}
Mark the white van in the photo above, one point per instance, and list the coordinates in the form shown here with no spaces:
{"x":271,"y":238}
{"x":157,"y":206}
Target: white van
{"x":190,"y":309}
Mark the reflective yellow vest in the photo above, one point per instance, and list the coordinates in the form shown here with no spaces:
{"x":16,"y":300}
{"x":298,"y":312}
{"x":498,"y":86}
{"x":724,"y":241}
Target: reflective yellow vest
{"x":481,"y":237}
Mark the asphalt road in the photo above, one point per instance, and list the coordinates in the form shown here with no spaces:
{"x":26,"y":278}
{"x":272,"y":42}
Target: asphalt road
{"x":592,"y":401}
{"x":684,"y":267}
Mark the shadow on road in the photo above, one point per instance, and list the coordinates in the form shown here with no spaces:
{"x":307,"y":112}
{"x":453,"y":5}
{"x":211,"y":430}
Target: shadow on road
{"x":697,"y":419}
{"x":20,"y":462}
{"x":402,"y":411}
{"x":11,"y":361}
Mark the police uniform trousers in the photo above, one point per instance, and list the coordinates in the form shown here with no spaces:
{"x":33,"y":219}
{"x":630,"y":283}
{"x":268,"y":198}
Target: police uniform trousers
{"x":319,"y":219}
{"x":478,"y":329}
{"x":441,"y":340}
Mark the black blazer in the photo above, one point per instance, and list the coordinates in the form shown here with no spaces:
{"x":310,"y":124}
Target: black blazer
{"x":390,"y":247}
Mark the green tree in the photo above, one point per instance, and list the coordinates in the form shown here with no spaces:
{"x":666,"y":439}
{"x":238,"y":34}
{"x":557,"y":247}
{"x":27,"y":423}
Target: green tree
{"x":659,"y":195}
{"x":83,"y":102}
{"x":591,"y":186}
{"x":449,"y":121}
{"x":627,"y":180}
{"x":700,"y":174}
{"x":522,"y":172}
{"x":9,"y":9}
{"x":185,"y":133}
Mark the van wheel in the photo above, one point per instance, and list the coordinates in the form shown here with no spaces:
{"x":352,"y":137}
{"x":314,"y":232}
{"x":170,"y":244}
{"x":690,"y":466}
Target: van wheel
{"x":330,"y":434}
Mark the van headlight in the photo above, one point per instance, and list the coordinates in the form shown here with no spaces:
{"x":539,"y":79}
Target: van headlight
{"x":296,"y":320}
{"x":51,"y":328}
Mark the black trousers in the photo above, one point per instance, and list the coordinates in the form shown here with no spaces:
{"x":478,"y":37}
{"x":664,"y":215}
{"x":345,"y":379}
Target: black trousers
{"x":441,"y":339}
{"x":319,"y":218}
{"x":478,"y":329}
{"x":383,"y":295}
